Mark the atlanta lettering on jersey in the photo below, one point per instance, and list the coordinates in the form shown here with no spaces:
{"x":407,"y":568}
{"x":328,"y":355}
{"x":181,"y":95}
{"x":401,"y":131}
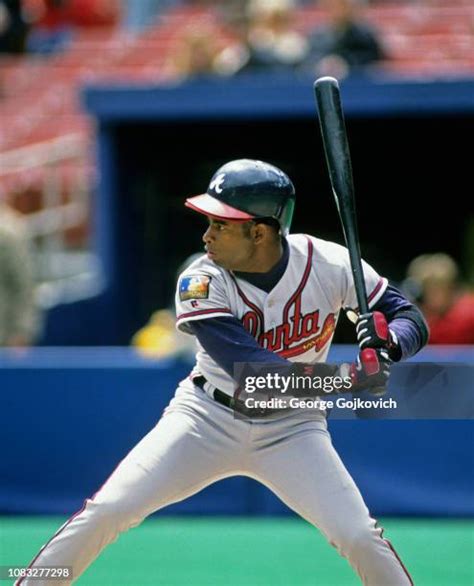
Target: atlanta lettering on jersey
{"x":302,"y":330}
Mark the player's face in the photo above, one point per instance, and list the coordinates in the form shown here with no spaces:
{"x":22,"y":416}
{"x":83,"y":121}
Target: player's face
{"x":229,"y":245}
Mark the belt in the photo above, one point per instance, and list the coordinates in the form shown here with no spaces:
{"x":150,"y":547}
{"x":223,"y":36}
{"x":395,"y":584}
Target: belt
{"x":229,"y":402}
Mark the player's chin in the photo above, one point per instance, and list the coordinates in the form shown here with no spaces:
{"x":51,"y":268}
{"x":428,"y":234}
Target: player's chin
{"x":219,"y":261}
{"x":212,"y":256}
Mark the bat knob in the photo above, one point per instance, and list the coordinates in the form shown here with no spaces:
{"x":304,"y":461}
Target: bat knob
{"x":326,"y":81}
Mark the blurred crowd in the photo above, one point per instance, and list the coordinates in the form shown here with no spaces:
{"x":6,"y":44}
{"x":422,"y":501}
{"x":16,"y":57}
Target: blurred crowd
{"x":262,"y":35}
{"x":257,"y":33}
{"x":45,"y":26}
{"x":20,"y":316}
{"x":434,"y":282}
{"x":245,"y":35}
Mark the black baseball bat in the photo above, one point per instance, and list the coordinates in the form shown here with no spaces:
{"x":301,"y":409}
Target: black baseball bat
{"x":338,"y":159}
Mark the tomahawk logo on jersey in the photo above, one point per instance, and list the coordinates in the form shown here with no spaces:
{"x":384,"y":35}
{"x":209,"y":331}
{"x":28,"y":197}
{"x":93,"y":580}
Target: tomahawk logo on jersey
{"x":296,"y":319}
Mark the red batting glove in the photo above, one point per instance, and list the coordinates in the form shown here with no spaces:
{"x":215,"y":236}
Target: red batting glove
{"x":373,"y":332}
{"x":371,"y":371}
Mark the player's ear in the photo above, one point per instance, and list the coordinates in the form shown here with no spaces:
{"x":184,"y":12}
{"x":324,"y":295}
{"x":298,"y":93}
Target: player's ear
{"x":259,"y":232}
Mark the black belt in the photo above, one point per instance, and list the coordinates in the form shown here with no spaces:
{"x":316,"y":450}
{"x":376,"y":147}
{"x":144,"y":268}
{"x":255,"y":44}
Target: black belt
{"x":234,"y":404}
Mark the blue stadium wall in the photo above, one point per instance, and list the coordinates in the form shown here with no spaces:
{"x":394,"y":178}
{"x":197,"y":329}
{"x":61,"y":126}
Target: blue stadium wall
{"x":68,"y":416}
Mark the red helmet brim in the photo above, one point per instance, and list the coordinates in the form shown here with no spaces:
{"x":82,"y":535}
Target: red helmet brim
{"x":210,"y":206}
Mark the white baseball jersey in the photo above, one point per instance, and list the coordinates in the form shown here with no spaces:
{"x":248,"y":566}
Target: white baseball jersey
{"x":296,"y":319}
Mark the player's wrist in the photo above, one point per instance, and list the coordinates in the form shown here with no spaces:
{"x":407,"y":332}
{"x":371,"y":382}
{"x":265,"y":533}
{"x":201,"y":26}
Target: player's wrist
{"x":394,"y":349}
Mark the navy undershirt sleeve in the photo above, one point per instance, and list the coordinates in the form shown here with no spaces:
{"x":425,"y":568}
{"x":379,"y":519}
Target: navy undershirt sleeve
{"x":227,"y":342}
{"x":405,"y":320}
{"x":391,"y":302}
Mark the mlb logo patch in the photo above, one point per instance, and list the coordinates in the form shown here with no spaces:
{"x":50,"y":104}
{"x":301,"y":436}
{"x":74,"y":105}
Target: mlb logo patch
{"x":194,"y":287}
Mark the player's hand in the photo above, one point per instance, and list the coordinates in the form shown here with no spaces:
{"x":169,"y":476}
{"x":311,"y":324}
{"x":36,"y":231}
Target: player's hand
{"x":371,"y":371}
{"x":373,"y":332}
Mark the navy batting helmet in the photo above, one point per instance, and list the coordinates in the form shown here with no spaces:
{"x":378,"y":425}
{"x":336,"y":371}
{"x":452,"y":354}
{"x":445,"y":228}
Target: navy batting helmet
{"x":246,"y":190}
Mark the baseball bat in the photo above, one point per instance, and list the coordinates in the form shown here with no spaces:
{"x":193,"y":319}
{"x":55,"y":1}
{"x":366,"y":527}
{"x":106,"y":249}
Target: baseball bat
{"x":338,"y":159}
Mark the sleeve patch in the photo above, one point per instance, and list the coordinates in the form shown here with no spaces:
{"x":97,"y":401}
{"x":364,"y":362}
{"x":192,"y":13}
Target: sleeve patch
{"x":194,"y":287}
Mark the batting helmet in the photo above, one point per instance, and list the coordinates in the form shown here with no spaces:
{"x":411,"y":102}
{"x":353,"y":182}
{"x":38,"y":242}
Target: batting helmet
{"x":246,"y":190}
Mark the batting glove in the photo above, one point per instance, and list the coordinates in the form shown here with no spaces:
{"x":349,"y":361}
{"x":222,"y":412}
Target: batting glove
{"x":373,"y":332}
{"x":371,"y":371}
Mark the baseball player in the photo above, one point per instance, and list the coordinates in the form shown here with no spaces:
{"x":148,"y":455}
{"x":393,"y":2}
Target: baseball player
{"x":258,"y":295}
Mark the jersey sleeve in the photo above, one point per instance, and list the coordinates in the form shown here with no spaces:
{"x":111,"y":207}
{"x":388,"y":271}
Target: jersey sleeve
{"x":375,"y":286}
{"x":227,"y":342}
{"x":200,"y":295}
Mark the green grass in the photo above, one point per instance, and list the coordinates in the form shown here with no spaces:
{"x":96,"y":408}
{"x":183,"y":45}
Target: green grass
{"x":249,"y":552}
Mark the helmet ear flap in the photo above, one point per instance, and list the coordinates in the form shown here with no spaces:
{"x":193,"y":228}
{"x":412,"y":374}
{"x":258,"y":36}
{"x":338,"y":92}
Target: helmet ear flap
{"x":273,"y":222}
{"x":286,"y":217}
